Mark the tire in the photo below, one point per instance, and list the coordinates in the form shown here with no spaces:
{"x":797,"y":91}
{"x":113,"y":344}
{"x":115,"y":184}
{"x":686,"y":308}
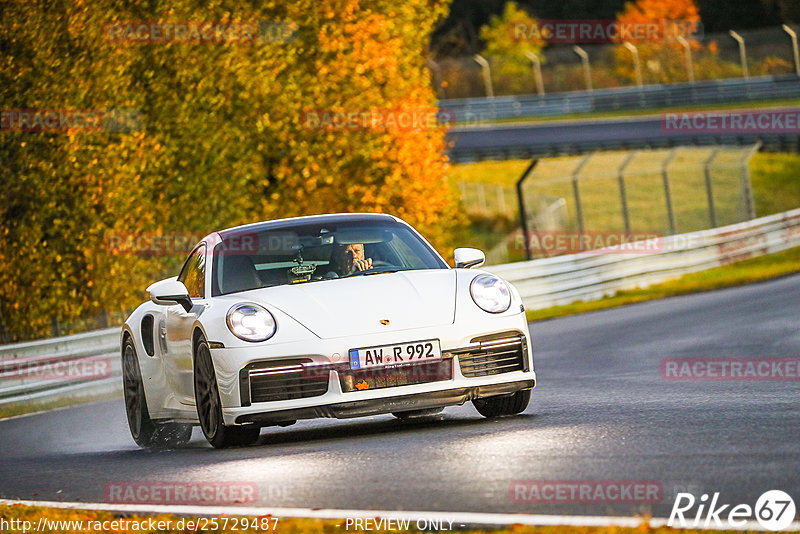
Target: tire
{"x":501,"y":405}
{"x":209,"y":405}
{"x":418,"y":414}
{"x":146,"y":433}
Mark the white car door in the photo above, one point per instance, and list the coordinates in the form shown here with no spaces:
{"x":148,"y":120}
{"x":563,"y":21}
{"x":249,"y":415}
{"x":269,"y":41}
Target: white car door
{"x":178,"y":362}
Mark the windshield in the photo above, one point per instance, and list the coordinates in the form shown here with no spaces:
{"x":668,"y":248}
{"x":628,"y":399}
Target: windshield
{"x":309,"y":253}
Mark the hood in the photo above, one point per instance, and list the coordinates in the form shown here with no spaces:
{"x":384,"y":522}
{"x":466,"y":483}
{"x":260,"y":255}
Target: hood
{"x":355,"y":306}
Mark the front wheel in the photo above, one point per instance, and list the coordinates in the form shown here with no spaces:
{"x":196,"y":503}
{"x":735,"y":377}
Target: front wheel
{"x":146,"y":432}
{"x":209,"y":405}
{"x":500,"y":405}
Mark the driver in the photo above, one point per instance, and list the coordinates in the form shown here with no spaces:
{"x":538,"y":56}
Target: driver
{"x":350,"y":258}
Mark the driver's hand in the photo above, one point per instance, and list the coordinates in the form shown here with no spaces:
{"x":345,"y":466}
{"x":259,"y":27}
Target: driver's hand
{"x":362,"y":265}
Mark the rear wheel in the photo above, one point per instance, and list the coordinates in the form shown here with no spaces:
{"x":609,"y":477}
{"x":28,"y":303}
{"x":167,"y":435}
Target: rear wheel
{"x":503,"y":404}
{"x":146,"y":432}
{"x":418,"y":414}
{"x":209,"y":406}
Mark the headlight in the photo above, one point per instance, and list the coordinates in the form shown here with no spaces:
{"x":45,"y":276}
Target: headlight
{"x":251,"y":322}
{"x":490,"y":293}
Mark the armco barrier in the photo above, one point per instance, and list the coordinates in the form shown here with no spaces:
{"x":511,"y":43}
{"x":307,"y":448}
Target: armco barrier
{"x":27,"y":369}
{"x":590,"y":275}
{"x":541,"y":283}
{"x":581,"y":136}
{"x":469,"y":111}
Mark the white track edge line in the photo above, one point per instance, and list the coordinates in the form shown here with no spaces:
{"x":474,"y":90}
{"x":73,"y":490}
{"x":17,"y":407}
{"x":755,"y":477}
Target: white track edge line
{"x":458,"y":518}
{"x":112,"y":395}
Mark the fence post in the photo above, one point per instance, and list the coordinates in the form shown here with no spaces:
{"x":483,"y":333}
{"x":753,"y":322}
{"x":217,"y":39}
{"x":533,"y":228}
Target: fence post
{"x":709,"y":189}
{"x":55,"y":326}
{"x":667,"y":192}
{"x":687,"y":50}
{"x":523,"y":217}
{"x":577,"y":194}
{"x":747,"y":186}
{"x":637,"y":66}
{"x":462,"y":188}
{"x":795,"y":52}
{"x":537,"y":71}
{"x":587,"y":69}
{"x":482,"y":198}
{"x":742,"y":52}
{"x":487,"y":74}
{"x":436,"y":78}
{"x":501,"y":200}
{"x":622,"y":193}
{"x":4,"y":336}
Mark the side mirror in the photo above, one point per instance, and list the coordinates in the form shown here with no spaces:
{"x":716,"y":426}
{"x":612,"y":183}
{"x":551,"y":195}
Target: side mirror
{"x":468,"y":257}
{"x":170,"y":291}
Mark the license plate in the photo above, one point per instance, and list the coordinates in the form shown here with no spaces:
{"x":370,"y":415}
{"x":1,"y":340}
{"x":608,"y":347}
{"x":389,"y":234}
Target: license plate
{"x":399,"y":354}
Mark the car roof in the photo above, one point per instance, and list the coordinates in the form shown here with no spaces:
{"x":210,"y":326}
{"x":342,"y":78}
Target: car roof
{"x":332,"y":218}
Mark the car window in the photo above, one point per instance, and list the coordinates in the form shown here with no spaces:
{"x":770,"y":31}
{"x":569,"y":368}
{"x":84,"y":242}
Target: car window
{"x":320,"y":252}
{"x":193,"y":274}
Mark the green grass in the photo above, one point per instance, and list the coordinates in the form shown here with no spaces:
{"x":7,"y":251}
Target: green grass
{"x":743,"y":272}
{"x":776,"y":182}
{"x":488,"y":191}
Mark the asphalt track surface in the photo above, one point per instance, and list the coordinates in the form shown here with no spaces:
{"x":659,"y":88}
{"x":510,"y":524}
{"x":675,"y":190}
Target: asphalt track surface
{"x":601,"y":411}
{"x":566,"y":136}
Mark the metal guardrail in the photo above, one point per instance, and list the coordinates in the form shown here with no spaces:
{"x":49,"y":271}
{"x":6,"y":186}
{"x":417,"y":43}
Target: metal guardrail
{"x":592,"y":275}
{"x":82,"y":364}
{"x":470,"y":111}
{"x":580,"y":136}
{"x":782,"y":142}
{"x":541,"y":283}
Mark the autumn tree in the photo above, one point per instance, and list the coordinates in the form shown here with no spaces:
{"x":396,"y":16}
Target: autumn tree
{"x":221,"y":138}
{"x":509,"y":39}
{"x":662,"y":57}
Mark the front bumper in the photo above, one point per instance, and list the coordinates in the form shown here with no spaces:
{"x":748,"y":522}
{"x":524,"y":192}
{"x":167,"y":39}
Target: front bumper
{"x":470,"y":374}
{"x":400,"y":403}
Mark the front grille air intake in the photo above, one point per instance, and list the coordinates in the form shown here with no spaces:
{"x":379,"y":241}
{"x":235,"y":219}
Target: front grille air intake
{"x":494,"y":355}
{"x":282,"y":380}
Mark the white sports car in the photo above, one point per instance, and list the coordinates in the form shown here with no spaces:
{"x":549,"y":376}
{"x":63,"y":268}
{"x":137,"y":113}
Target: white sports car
{"x":340,"y":315}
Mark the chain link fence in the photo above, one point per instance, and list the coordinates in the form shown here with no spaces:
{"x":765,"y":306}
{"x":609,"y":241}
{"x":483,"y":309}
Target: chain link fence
{"x":768,"y":52}
{"x":639,"y":192}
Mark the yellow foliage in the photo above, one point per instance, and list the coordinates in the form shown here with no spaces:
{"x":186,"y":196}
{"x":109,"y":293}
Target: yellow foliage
{"x":220,"y":140}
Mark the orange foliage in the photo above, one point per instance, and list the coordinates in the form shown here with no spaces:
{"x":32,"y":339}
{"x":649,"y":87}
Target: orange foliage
{"x":222,"y":139}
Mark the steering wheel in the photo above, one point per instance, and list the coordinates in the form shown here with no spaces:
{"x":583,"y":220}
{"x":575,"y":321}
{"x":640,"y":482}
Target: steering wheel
{"x":378,"y":266}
